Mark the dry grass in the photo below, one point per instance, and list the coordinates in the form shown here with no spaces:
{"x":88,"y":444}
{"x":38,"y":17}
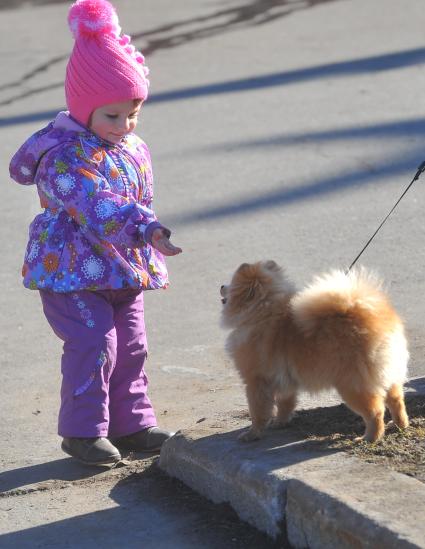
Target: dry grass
{"x":401,"y":450}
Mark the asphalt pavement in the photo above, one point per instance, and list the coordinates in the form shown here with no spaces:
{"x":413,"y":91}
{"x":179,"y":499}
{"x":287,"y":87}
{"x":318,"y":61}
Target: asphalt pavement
{"x":278,"y":129}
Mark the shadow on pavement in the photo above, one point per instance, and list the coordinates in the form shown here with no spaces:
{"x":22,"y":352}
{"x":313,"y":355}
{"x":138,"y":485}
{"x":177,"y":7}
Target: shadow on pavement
{"x":400,"y":129}
{"x":373,"y":64}
{"x":255,"y":12}
{"x":42,"y":116}
{"x":13,"y":4}
{"x":147,"y":509}
{"x":286,"y":195}
{"x":416,"y":385}
{"x":66,"y":469}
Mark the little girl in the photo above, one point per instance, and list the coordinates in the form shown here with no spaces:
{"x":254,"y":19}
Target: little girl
{"x":98,"y":244}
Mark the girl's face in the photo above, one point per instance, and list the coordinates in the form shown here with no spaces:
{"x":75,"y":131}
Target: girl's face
{"x":114,"y":121}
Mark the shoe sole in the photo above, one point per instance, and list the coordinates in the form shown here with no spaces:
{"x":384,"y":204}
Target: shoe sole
{"x":109,"y":461}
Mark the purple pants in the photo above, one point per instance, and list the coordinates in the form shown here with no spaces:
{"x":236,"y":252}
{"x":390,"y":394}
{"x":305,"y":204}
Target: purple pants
{"x":104,"y":384}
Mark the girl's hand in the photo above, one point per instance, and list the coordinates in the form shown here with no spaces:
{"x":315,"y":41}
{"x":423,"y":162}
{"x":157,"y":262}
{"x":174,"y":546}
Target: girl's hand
{"x":161,"y":242}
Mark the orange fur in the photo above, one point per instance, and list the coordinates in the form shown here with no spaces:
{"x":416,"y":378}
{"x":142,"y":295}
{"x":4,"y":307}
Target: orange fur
{"x":340,"y":332}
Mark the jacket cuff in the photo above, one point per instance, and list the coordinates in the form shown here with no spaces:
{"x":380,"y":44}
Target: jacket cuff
{"x":148,"y":231}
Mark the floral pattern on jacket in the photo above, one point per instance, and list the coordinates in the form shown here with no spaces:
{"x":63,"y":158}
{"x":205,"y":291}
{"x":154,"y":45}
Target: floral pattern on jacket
{"x":96,"y":227}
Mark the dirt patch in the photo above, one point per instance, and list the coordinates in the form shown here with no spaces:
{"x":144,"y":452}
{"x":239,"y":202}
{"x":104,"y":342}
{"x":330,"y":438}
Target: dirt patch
{"x":400,"y":450}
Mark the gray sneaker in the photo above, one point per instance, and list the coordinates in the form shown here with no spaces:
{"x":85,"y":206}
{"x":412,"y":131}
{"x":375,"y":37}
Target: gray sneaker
{"x":91,"y":451}
{"x":148,"y":440}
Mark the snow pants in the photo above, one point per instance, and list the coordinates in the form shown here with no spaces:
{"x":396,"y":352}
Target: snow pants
{"x":104,"y":384}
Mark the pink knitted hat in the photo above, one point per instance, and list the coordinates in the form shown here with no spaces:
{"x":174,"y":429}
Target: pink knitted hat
{"x":103,"y":67}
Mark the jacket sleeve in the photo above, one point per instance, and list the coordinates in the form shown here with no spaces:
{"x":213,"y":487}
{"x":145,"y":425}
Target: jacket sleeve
{"x":74,"y":184}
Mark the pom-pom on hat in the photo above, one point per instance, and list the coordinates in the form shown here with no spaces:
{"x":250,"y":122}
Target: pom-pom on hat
{"x":103,"y":67}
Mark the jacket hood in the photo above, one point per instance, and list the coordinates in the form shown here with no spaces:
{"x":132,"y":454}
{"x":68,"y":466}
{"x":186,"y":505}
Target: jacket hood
{"x":24,"y":164}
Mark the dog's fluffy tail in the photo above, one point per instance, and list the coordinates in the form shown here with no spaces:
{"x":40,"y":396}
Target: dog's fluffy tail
{"x":356,"y":298}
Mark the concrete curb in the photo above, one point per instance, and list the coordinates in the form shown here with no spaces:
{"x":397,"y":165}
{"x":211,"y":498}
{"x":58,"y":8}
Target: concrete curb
{"x":321,"y":498}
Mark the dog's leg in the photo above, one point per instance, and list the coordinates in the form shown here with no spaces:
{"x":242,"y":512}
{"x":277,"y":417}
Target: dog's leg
{"x":260,"y":404}
{"x":372,"y":409}
{"x":285,"y":408}
{"x":395,"y":402}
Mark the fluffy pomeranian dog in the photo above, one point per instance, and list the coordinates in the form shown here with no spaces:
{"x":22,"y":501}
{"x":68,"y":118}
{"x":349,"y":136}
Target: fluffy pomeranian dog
{"x":340,"y":332}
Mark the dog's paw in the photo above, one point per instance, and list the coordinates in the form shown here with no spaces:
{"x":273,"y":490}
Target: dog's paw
{"x":358,"y":439}
{"x":393,"y":427}
{"x":367,"y":438}
{"x":249,"y":436}
{"x":276,"y":423}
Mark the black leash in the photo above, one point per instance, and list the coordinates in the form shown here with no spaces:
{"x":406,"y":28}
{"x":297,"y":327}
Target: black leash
{"x":420,"y":170}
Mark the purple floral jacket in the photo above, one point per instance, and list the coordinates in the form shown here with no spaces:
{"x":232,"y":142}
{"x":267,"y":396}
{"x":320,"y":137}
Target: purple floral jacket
{"x":96,"y":228}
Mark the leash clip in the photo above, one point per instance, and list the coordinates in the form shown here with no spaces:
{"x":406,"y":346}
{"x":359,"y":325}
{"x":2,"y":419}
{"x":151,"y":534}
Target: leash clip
{"x":420,"y":171}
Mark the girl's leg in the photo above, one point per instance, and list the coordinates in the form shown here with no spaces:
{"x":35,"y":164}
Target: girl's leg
{"x":84,"y":321}
{"x":129,"y":405}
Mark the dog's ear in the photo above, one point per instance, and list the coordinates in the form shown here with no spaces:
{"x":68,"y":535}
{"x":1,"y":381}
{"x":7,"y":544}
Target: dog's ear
{"x":254,"y":284}
{"x":271,"y":265}
{"x":244,"y":267}
{"x":252,"y":290}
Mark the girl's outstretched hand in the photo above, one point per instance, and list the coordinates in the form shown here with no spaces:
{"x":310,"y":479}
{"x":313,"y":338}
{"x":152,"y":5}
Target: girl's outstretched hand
{"x":161,"y":242}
